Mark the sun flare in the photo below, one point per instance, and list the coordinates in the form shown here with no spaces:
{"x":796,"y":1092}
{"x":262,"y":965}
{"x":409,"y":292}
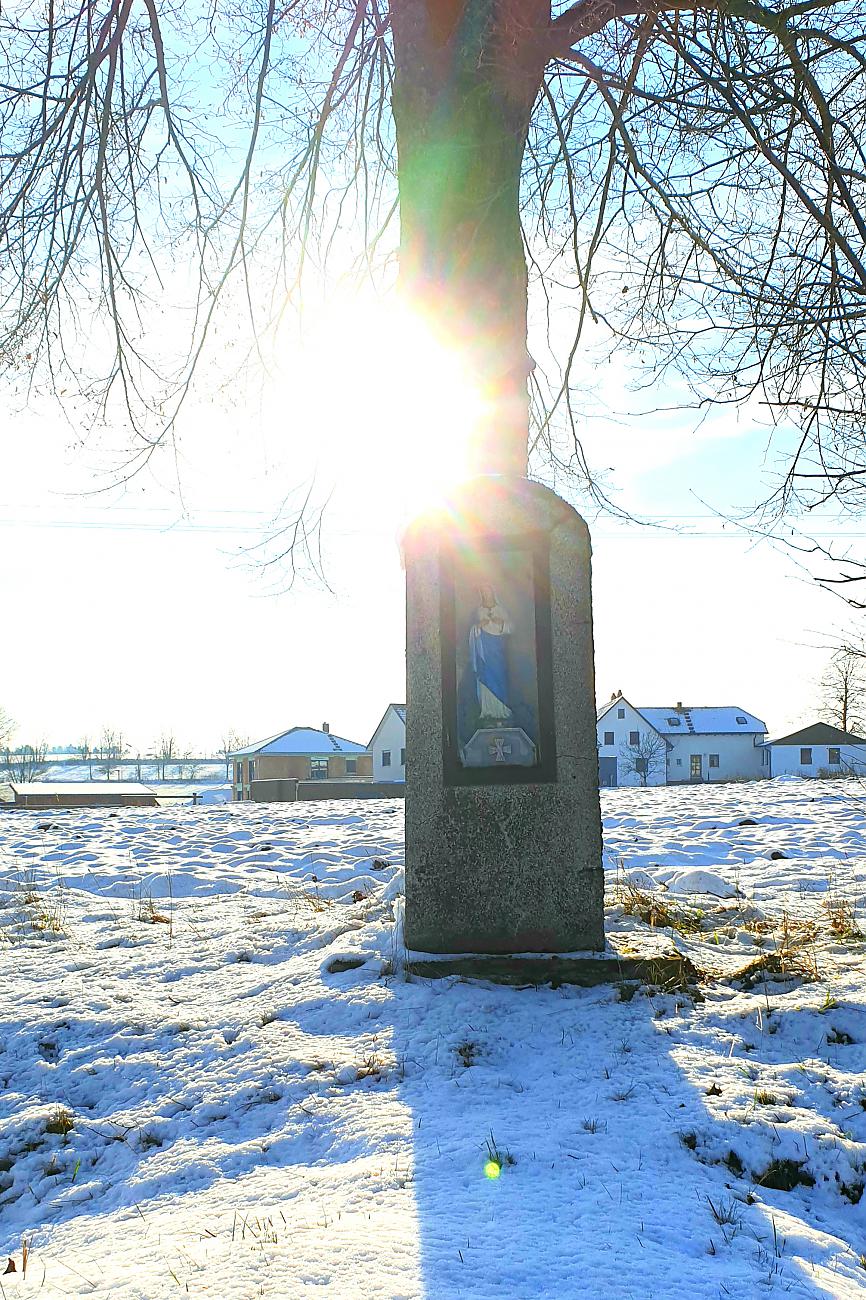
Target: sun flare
{"x":394,"y":409}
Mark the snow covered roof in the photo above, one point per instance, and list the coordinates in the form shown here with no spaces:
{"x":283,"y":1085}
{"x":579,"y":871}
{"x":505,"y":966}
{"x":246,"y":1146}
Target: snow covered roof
{"x":302,"y":740}
{"x":80,"y":787}
{"x":714,"y":720}
{"x":820,"y":733}
{"x":677,"y":720}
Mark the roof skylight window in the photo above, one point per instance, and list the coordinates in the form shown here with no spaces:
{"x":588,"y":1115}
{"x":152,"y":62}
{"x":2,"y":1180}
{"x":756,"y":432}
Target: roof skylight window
{"x":741,"y":721}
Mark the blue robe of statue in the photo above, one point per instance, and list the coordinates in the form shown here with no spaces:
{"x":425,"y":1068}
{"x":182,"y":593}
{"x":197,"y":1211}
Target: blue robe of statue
{"x":489,"y":663}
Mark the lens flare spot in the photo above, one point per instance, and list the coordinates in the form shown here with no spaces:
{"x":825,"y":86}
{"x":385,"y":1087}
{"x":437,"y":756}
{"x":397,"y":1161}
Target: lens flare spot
{"x":492,"y":1169}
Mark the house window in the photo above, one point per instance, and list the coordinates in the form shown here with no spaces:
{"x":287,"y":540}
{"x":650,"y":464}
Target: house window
{"x":640,"y":764}
{"x":765,"y":758}
{"x":679,"y":762}
{"x":741,"y":721}
{"x":239,"y":773}
{"x":608,"y":737}
{"x":318,"y":769}
{"x":620,"y":713}
{"x":806,"y":757}
{"x":634,"y":737}
{"x":834,"y":757}
{"x":386,"y":758}
{"x":252,"y":766}
{"x":351,"y":766}
{"x":403,"y":757}
{"x":675,"y":722}
{"x":714,"y":760}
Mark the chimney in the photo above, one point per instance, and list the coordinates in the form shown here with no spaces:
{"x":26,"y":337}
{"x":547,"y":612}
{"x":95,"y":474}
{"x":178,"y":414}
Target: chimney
{"x":679,"y":706}
{"x":326,"y":728}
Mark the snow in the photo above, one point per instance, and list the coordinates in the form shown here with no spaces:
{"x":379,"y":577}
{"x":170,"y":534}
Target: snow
{"x":204,"y":771}
{"x":81,"y":787}
{"x":302,"y":740}
{"x":217,"y":1080}
{"x":700,"y":882}
{"x":714,"y":720}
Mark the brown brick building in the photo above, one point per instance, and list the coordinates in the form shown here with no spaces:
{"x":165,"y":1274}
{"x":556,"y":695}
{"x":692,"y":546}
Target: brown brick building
{"x":300,"y":754}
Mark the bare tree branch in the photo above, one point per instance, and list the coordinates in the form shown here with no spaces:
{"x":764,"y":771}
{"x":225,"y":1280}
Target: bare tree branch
{"x":692,"y":182}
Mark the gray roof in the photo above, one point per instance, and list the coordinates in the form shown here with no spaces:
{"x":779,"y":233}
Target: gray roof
{"x":303,"y":741}
{"x":820,"y":733}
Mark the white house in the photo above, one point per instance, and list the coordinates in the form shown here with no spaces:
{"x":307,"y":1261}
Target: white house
{"x":670,"y":745}
{"x":819,"y":750}
{"x":388,"y":745}
{"x":624,"y":738}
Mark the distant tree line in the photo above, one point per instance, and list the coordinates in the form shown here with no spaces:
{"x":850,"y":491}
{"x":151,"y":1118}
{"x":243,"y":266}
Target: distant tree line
{"x":19,"y":762}
{"x":108,"y":754}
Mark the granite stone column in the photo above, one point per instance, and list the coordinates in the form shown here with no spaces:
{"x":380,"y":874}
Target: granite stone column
{"x":503,"y":833}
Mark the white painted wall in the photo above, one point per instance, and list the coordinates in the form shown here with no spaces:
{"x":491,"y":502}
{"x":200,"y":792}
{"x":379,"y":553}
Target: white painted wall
{"x":787,"y":760}
{"x":621,"y":727}
{"x":738,"y":757}
{"x":390,"y":737}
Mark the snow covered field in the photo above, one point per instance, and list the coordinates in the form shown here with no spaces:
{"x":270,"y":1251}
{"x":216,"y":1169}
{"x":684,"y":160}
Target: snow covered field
{"x":197,"y":1097}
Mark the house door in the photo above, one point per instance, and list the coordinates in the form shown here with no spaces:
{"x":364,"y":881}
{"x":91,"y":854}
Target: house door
{"x":696,"y":773}
{"x":607,"y":771}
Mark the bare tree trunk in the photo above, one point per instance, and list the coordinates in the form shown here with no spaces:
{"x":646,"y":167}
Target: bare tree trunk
{"x":467,"y":74}
{"x":842,"y":688}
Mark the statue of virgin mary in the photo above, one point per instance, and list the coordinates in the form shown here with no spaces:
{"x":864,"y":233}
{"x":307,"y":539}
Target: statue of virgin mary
{"x":487,"y":657}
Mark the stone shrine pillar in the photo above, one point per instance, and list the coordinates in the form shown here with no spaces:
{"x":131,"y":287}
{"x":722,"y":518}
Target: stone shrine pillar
{"x":503,"y":832}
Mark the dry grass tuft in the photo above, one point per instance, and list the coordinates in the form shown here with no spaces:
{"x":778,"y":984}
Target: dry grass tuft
{"x":794,"y":956}
{"x":148,"y":914}
{"x":657,"y":911}
{"x":373,"y":1066}
{"x":45,"y":908}
{"x":842,"y":920}
{"x":467,"y":1052}
{"x":314,"y":900}
{"x":61,"y":1123}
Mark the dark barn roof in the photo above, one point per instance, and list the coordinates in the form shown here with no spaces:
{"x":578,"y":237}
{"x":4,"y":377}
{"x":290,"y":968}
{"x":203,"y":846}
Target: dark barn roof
{"x":820,"y":733}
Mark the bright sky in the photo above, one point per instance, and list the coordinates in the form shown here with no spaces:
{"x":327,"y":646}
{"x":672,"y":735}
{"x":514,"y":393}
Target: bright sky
{"x":132,"y":610}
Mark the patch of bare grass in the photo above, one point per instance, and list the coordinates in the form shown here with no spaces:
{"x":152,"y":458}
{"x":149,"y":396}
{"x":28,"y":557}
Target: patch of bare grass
{"x":44,"y":907}
{"x":793,"y":956}
{"x":372,"y":1066}
{"x":658,"y":911}
{"x":842,"y":920}
{"x":61,"y":1122}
